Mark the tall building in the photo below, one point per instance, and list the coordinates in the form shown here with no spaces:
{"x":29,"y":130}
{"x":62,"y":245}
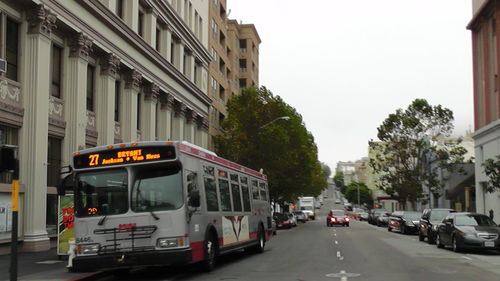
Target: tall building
{"x":234,"y":49}
{"x":87,"y":73}
{"x":485,"y":35}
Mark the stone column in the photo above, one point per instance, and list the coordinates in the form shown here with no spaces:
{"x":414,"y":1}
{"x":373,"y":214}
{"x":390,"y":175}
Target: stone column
{"x":75,"y":94}
{"x":189,"y":126}
{"x":165,"y":117}
{"x":179,"y":55}
{"x":178,"y":121}
{"x":166,"y":36}
{"x":34,"y":132}
{"x":105,"y":106}
{"x":148,"y":126}
{"x":150,"y":27}
{"x":204,"y":134}
{"x":199,"y":127}
{"x":131,"y":13}
{"x":129,"y":106}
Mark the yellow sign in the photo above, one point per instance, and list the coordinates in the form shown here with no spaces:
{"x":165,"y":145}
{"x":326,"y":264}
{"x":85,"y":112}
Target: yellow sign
{"x":15,"y":195}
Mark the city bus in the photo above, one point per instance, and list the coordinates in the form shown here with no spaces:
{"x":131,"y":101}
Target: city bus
{"x":163,"y":203}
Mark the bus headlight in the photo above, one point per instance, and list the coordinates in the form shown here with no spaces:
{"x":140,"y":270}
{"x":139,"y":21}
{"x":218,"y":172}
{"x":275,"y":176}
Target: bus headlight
{"x":88,"y":249}
{"x":172,"y":242}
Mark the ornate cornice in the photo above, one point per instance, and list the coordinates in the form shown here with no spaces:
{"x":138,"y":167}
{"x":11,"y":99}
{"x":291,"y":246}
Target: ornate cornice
{"x":41,"y":21}
{"x":133,"y":80}
{"x":190,"y":115}
{"x":80,"y":46}
{"x":166,"y":101}
{"x":152,"y":92}
{"x":110,"y":65}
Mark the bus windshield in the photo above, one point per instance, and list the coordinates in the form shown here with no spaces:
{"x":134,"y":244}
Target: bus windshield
{"x":157,"y":189}
{"x":101,"y":193}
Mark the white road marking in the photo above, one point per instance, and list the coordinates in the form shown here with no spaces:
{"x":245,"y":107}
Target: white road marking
{"x":338,"y":254}
{"x":336,"y":242}
{"x":335,"y":234}
{"x":344,"y":277}
{"x":467,"y":258}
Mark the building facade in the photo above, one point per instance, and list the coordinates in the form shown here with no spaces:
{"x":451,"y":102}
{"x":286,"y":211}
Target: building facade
{"x":234,"y":65}
{"x":485,"y":52}
{"x":88,"y":73}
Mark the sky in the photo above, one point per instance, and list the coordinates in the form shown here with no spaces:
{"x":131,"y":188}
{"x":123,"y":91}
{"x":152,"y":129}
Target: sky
{"x":346,"y":65}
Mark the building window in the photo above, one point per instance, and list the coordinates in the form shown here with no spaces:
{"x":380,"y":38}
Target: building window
{"x":172,"y":52}
{"x":90,"y":87}
{"x":117,"y":100}
{"x":243,"y":83}
{"x":8,"y":135}
{"x":54,"y":153}
{"x":158,"y":39}
{"x":119,"y":8}
{"x":140,"y":26}
{"x":11,"y":49}
{"x":55,"y":88}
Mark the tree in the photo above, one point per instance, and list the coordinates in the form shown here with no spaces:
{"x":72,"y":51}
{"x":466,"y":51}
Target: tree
{"x":284,"y":149}
{"x":492,"y":170}
{"x":365,"y":194}
{"x":338,"y":179}
{"x":409,"y":145}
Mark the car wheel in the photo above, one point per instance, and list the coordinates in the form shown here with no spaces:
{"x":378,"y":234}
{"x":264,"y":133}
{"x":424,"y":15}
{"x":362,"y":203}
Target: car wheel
{"x":456,"y":247}
{"x":438,"y":242}
{"x":389,"y":229}
{"x":403,"y":229}
{"x":347,"y":225}
{"x":420,"y":236}
{"x":430,"y":238}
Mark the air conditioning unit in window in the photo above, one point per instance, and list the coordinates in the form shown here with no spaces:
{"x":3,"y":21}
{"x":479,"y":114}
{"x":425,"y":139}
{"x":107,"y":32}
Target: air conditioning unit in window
{"x":3,"y":66}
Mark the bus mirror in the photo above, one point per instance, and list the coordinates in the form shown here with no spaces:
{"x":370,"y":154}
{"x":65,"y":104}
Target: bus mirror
{"x":194,"y":198}
{"x":66,"y":184}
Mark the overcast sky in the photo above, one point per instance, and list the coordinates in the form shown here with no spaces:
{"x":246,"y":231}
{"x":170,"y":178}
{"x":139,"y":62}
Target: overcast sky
{"x":345,"y":65}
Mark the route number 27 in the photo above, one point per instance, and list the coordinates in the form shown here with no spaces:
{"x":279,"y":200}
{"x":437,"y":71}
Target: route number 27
{"x":94,"y":159}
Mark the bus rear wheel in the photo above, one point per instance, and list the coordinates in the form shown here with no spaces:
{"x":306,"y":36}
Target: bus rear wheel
{"x":259,"y":248}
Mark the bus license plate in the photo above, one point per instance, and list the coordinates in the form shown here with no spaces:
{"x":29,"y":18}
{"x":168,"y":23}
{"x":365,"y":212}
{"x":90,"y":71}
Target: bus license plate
{"x":489,"y":244}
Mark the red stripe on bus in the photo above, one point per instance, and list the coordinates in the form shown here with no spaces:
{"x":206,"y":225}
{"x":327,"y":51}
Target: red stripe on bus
{"x":197,"y":251}
{"x":253,"y":235}
{"x":195,"y":152}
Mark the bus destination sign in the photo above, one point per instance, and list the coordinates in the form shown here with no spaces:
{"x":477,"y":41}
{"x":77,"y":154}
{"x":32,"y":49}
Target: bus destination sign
{"x":122,"y":156}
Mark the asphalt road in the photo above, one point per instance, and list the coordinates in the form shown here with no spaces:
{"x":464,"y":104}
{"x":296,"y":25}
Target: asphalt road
{"x":313,"y":252}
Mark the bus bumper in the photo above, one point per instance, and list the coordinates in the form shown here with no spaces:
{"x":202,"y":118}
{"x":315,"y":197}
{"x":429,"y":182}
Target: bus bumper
{"x":131,"y":259}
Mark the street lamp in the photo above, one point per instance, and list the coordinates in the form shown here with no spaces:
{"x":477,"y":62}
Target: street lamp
{"x":276,"y":119}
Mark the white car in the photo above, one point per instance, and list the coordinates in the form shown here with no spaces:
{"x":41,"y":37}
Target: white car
{"x":337,"y":201}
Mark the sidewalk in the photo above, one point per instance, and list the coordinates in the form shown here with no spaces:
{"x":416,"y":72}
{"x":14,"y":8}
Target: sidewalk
{"x":42,"y":266}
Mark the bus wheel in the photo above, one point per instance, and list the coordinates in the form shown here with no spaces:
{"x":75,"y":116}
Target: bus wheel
{"x":210,"y":253}
{"x":259,"y":248}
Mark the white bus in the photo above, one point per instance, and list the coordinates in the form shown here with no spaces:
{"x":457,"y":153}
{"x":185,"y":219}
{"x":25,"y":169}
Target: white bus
{"x":163,"y":203}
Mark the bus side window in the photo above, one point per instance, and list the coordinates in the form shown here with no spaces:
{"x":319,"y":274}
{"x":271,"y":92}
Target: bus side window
{"x":211,"y":194}
{"x":225,"y":196}
{"x":236,"y":193}
{"x":262,"y":187}
{"x":246,"y":195}
{"x":255,"y":190}
{"x":192,"y":187}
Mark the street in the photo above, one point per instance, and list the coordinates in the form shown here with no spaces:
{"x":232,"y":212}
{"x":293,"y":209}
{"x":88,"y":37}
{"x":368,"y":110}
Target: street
{"x":313,"y":251}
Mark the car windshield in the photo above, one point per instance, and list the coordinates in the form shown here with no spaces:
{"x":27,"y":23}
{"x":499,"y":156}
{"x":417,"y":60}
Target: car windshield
{"x":411,"y":215}
{"x":99,"y":193}
{"x":380,"y":211}
{"x":437,"y":215}
{"x":157,"y":189}
{"x":473,"y":220}
{"x":307,"y":208}
{"x":338,"y":213}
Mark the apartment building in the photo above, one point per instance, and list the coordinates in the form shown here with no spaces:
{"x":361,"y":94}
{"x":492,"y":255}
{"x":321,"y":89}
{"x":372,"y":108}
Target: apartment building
{"x":485,"y":28}
{"x":87,"y":73}
{"x":234,"y":49}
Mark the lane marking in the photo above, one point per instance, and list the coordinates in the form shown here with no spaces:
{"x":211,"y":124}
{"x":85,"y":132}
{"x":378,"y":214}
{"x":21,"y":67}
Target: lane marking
{"x":467,"y":258}
{"x":338,"y":254}
{"x":336,"y":242}
{"x":344,"y":276}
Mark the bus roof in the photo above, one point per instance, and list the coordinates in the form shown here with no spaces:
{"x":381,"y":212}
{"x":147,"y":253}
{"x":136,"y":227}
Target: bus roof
{"x":183,"y":147}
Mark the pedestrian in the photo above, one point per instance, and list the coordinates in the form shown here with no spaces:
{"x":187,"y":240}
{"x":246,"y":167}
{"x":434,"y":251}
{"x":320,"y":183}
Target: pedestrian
{"x":491,"y":214}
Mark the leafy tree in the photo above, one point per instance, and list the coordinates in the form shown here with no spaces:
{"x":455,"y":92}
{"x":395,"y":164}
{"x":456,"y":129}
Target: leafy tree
{"x":284,"y":149}
{"x":409,"y":145}
{"x":492,"y":170}
{"x":365,"y":194}
{"x":338,"y":179}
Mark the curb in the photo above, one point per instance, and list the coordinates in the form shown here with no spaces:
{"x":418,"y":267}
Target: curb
{"x":90,"y":276}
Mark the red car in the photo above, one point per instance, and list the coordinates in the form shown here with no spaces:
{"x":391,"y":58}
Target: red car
{"x":337,"y":217}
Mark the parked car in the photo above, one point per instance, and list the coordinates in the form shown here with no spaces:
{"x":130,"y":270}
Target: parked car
{"x":282,"y":221}
{"x":293,"y":219}
{"x":373,"y":215}
{"x":383,"y":219}
{"x":468,"y":231}
{"x":428,"y":223}
{"x":358,"y":212}
{"x":363,"y":216}
{"x":301,"y":216}
{"x":404,"y":221}
{"x":337,"y":217}
{"x":337,"y":201}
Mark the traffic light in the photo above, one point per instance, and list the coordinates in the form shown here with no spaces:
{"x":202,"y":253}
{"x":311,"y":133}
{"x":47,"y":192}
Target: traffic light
{"x":7,"y":158}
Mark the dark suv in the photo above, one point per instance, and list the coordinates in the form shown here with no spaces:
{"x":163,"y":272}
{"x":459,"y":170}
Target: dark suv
{"x":429,"y":222}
